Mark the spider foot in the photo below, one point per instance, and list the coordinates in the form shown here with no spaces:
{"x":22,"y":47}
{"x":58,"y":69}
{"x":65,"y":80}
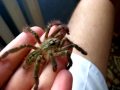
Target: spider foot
{"x":80,"y":49}
{"x":36,"y":83}
{"x":69,"y":60}
{"x":28,"y":29}
{"x":25,"y":66}
{"x":54,"y":22}
{"x":54,"y":65}
{"x":53,"y":62}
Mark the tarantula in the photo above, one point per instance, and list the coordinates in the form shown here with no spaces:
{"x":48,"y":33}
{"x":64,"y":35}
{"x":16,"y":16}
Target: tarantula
{"x":52,"y":46}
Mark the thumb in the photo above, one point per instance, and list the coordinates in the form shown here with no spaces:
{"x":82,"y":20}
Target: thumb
{"x":63,"y":81}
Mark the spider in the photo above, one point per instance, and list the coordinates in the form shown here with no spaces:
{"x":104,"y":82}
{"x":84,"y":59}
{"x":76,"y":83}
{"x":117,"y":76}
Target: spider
{"x":52,"y":46}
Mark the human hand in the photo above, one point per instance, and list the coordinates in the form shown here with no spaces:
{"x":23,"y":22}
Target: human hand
{"x":14,"y":77}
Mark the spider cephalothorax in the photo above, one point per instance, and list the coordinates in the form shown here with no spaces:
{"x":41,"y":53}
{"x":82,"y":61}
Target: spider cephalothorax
{"x":52,"y":46}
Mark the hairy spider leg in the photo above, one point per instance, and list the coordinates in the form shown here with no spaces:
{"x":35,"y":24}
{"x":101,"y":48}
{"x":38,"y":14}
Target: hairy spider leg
{"x":28,"y":29}
{"x":71,"y":45}
{"x":52,"y":23}
{"x":53,"y":62}
{"x":75,"y":46}
{"x":69,"y":60}
{"x":17,"y":49}
{"x":58,"y":29}
{"x":31,"y":57}
{"x":64,"y":50}
{"x":47,"y":32}
{"x":36,"y":71}
{"x":68,"y":53}
{"x":63,"y":41}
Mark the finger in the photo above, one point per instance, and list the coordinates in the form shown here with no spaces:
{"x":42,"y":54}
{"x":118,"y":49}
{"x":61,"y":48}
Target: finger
{"x":11,"y":62}
{"x":63,"y":81}
{"x":47,"y":77}
{"x":21,"y":80}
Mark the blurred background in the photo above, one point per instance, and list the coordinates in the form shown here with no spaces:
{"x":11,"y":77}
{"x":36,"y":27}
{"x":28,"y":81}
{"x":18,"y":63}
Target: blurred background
{"x":16,"y":14}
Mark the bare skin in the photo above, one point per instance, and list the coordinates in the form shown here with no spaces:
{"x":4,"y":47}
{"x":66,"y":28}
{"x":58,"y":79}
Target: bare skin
{"x":93,"y":32}
{"x":95,"y":20}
